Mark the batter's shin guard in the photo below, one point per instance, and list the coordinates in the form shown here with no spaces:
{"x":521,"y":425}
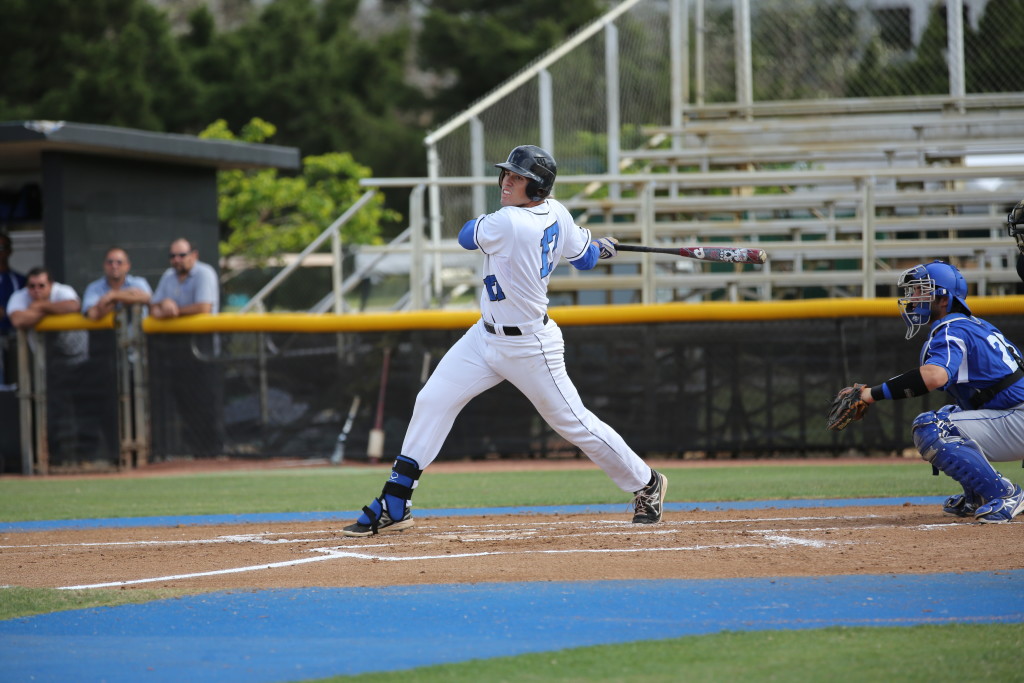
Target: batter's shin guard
{"x":397,"y":492}
{"x":960,"y":457}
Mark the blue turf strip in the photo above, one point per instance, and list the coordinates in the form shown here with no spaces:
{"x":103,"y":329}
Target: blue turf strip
{"x":296,"y":634}
{"x":350,"y":515}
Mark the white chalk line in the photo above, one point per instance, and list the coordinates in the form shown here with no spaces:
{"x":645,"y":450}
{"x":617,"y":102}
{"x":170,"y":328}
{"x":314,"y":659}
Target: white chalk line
{"x":628,"y":528}
{"x":334,"y":553}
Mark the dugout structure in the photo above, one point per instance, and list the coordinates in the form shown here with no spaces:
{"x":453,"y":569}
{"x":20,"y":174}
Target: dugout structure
{"x":68,"y":192}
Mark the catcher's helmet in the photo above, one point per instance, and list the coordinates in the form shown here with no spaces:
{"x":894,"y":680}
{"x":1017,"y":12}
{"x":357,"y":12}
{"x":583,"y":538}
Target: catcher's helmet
{"x":922,"y":285}
{"x":1015,"y":224}
{"x":534,"y":164}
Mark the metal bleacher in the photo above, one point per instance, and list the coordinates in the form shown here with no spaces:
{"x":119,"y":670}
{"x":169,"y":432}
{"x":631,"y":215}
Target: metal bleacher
{"x":841,"y":200}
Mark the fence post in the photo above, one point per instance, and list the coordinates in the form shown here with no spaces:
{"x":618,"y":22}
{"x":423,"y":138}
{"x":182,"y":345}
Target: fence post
{"x":868,"y":236}
{"x":140,"y":390}
{"x":955,"y":48}
{"x":25,"y":398}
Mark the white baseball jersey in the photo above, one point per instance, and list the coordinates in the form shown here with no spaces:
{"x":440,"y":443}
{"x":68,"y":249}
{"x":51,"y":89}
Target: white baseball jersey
{"x":522,"y":246}
{"x":519,"y":343}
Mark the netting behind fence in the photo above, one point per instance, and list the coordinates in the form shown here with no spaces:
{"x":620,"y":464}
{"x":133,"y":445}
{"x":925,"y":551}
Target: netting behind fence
{"x":799,"y":50}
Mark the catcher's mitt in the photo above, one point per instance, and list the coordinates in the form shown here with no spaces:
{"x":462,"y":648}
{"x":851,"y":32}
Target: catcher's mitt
{"x":846,"y":407}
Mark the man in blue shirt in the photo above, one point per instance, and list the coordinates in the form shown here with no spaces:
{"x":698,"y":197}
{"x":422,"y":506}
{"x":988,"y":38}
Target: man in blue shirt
{"x":10,"y":282}
{"x":116,"y":288}
{"x":188,"y":287}
{"x":983,"y":372}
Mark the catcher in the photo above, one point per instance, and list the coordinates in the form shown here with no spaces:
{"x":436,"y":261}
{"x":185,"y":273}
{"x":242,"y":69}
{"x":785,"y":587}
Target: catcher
{"x":980,"y":369}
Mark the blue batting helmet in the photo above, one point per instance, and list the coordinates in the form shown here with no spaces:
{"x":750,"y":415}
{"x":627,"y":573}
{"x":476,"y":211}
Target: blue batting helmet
{"x":922,"y":285}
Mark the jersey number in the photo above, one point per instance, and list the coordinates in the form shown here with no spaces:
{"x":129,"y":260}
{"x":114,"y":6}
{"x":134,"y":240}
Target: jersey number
{"x":998,"y":342}
{"x":548,"y":242}
{"x":494,"y":292}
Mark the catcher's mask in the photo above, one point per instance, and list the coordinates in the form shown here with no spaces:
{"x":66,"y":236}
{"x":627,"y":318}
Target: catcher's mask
{"x":534,"y":164}
{"x":923,"y":284}
{"x":1015,"y":224}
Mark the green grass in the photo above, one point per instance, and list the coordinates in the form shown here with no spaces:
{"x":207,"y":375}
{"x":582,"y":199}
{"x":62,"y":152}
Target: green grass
{"x":921,"y":653}
{"x":345,"y":488}
{"x":23,"y":602}
{"x":927,"y":653}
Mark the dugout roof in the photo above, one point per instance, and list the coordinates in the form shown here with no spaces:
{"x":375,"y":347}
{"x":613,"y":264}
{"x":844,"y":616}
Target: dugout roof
{"x":23,"y":142}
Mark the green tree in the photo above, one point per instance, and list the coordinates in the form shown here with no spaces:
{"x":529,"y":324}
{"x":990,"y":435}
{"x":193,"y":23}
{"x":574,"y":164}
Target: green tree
{"x":98,"y":61}
{"x":263,"y":214}
{"x":478,"y":44}
{"x":303,"y":64}
{"x":992,"y":51}
{"x":801,"y":50}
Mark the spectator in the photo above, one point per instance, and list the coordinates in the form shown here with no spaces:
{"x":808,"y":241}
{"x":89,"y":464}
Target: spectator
{"x":116,"y":288}
{"x":40,"y":297}
{"x":186,"y":380}
{"x":10,"y":282}
{"x":188,"y":287}
{"x":72,"y":432}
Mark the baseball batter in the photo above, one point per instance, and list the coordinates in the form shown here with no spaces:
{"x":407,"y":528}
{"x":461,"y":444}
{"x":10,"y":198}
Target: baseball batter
{"x":983,"y":372}
{"x":515,"y":340}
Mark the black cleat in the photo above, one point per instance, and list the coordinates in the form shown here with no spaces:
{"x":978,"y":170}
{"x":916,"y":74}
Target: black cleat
{"x":648,"y":501}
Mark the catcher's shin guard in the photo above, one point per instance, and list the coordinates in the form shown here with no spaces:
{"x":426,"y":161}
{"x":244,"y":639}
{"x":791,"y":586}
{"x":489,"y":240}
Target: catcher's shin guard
{"x":395,"y":497}
{"x":958,"y":456}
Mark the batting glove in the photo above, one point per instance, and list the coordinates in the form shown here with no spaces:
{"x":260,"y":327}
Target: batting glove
{"x":607,"y":245}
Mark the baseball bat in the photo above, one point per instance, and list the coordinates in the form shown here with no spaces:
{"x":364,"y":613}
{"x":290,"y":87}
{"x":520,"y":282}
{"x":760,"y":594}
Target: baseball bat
{"x":721,"y":254}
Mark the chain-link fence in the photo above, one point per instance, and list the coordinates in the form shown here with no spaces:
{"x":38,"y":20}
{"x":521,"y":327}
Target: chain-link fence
{"x":672,"y":388}
{"x":656,"y":62}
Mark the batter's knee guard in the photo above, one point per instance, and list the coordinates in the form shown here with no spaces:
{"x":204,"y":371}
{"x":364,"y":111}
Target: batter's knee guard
{"x":960,"y":457}
{"x":396,"y":496}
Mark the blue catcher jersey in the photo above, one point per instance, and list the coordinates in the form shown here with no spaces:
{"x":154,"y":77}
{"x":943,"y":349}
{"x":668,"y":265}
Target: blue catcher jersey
{"x":976,"y":355}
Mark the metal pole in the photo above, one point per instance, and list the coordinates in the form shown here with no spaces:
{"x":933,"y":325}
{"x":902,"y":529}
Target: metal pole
{"x":434,"y":191}
{"x":744,"y":66}
{"x":611,"y":70}
{"x":337,"y":271}
{"x":39,"y":384}
{"x":140,"y":393}
{"x":679,"y":48}
{"x":477,"y":163}
{"x":416,"y":241}
{"x":955,"y":42}
{"x":545,"y":111}
{"x":647,"y":296}
{"x":869,"y":238}
{"x":124,"y":389}
{"x":698,"y":54}
{"x":25,"y":399}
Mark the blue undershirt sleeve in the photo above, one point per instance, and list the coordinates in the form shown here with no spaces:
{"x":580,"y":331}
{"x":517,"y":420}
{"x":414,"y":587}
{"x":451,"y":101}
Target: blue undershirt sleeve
{"x":466,"y":240}
{"x":589,"y":259}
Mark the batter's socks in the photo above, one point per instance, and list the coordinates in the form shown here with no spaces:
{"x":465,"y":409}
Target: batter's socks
{"x":405,"y":474}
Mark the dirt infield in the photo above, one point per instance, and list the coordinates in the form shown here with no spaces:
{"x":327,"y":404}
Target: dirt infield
{"x":758,"y":543}
{"x":688,"y":544}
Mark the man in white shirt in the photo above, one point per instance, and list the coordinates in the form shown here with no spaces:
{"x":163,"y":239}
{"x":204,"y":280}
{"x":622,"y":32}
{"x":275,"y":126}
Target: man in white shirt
{"x":41,"y":297}
{"x":72,"y":430}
